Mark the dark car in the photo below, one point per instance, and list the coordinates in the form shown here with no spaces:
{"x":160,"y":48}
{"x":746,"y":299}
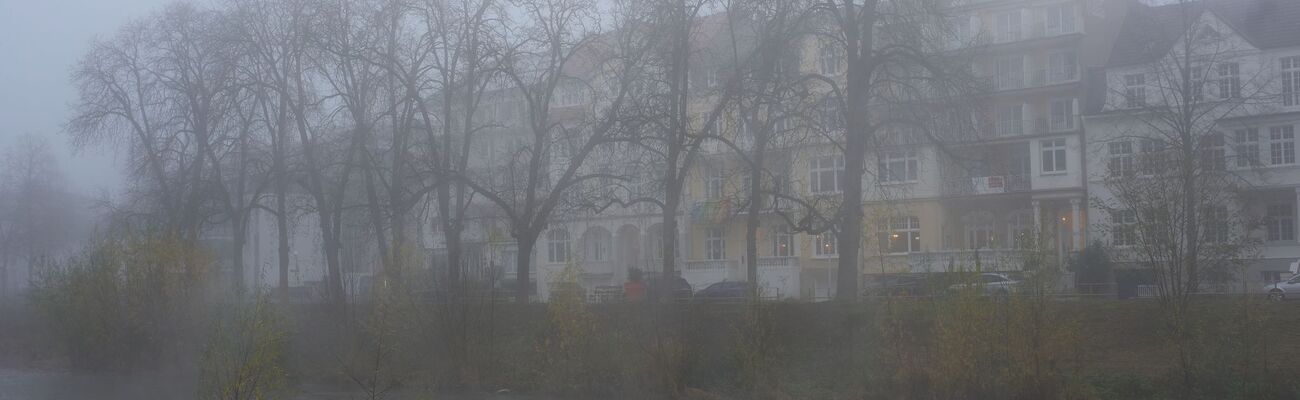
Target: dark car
{"x":677,"y":287}
{"x":723,"y":291}
{"x":896,"y":285}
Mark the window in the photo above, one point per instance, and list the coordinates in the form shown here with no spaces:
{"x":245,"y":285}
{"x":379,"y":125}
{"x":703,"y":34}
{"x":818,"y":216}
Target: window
{"x":655,"y":242}
{"x":1247,"y":147}
{"x":824,"y":174}
{"x":900,"y":235}
{"x":715,"y":245}
{"x":1152,"y":160}
{"x":1196,"y":89}
{"x":1020,"y":228}
{"x":1216,"y":224}
{"x":979,"y":230}
{"x":1281,"y":145}
{"x":1059,"y":19}
{"x":713,"y":181}
{"x":1011,"y":119}
{"x":1135,"y":90}
{"x":557,"y":246}
{"x":1121,"y":158}
{"x":1123,"y":228}
{"x":1008,"y":26}
{"x":1053,"y":155}
{"x":570,"y":95}
{"x":824,"y":244}
{"x":1280,"y":222}
{"x":1214,"y":157}
{"x":898,"y":166}
{"x":1291,"y":81}
{"x":1229,"y":81}
{"x":782,"y":243}
{"x":830,"y":61}
{"x":1062,"y":115}
{"x":1010,"y":72}
{"x":1062,"y":67}
{"x":712,"y":77}
{"x":600,"y":246}
{"x":831,"y":117}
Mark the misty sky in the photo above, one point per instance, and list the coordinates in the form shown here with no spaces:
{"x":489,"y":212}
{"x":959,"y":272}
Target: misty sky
{"x":39,"y":42}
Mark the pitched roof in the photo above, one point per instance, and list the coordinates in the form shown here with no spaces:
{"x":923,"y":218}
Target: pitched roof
{"x":1149,"y":31}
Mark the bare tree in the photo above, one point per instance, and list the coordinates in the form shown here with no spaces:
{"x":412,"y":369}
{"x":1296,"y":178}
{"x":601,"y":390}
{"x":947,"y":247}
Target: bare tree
{"x":34,"y":222}
{"x":891,"y":57}
{"x":1174,"y":205}
{"x":575,"y":85}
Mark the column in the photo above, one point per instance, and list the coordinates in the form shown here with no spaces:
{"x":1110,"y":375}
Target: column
{"x":1076,"y":225}
{"x":1038,"y":219}
{"x":1296,"y":214}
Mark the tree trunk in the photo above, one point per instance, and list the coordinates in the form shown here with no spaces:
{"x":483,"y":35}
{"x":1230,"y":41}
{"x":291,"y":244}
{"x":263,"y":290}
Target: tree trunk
{"x":672,"y":200}
{"x":523,"y":260}
{"x":282,"y":233}
{"x":751,"y":223}
{"x":377,"y":224}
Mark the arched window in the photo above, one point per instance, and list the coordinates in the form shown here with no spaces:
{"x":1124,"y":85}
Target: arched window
{"x":557,"y":246}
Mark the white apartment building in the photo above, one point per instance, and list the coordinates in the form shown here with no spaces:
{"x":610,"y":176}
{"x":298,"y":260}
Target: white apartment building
{"x":1246,"y":68}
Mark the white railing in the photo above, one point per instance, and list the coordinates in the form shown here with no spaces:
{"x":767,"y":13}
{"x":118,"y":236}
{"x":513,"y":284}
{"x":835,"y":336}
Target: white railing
{"x":712,"y":265}
{"x":966,"y":260}
{"x":778,"y":262}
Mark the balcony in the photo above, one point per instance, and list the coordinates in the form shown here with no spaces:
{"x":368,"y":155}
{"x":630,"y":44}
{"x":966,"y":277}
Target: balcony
{"x":702,"y":273}
{"x":967,"y":260}
{"x":712,"y":265}
{"x":979,"y":185}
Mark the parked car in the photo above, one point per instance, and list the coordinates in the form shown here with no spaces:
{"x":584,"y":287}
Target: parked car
{"x":676,"y":286}
{"x":1279,"y":291}
{"x":993,"y":284}
{"x":896,"y":285}
{"x":723,"y":292}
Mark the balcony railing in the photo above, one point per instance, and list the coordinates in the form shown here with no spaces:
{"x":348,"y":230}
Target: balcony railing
{"x":778,"y":262}
{"x":995,"y":184}
{"x":967,"y":260}
{"x":712,"y":265}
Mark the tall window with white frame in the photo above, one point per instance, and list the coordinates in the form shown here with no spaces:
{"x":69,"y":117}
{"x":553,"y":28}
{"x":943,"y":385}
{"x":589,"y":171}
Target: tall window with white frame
{"x":824,"y":174}
{"x":1059,"y":19}
{"x":1280,"y":222}
{"x":1152,"y":158}
{"x":600,"y":246}
{"x":1123,"y":230}
{"x":829,"y":59}
{"x":1229,"y":80}
{"x":1135,"y":90}
{"x":1291,"y":81}
{"x":1120,"y":161}
{"x":824,"y":245}
{"x":715,"y":244}
{"x":1010,"y":72}
{"x":557,"y":246}
{"x":1214,"y":156}
{"x":1062,"y":115}
{"x":714,"y":180}
{"x":1053,"y":153}
{"x":1281,"y":145}
{"x":1216,"y":224}
{"x":900,"y":235}
{"x":1008,"y":26}
{"x":1011,"y":119}
{"x":898,"y":166}
{"x":782,"y":242}
{"x":1246,"y":147}
{"x":1062,"y":66}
